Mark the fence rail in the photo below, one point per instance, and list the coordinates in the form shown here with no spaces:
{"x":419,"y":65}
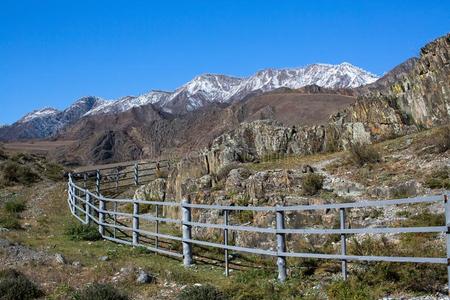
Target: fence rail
{"x":94,"y":208}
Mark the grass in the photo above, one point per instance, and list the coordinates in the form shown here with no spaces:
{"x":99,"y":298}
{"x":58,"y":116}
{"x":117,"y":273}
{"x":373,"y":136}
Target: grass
{"x":14,"y":206}
{"x":291,"y":161}
{"x":100,"y":291}
{"x":10,"y":213}
{"x":202,"y":292}
{"x":362,"y":154}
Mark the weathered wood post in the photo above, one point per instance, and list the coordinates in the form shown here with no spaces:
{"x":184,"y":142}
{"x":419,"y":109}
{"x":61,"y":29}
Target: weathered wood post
{"x":225,"y":240}
{"x":281,"y":245}
{"x":447,"y":224}
{"x":88,"y":219}
{"x":136,"y":174}
{"x":343,"y":243}
{"x":135,"y":222}
{"x":101,"y":215}
{"x":187,"y":235}
{"x":97,"y":181}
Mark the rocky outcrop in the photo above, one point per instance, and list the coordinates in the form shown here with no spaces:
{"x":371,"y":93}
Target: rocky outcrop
{"x":420,"y":97}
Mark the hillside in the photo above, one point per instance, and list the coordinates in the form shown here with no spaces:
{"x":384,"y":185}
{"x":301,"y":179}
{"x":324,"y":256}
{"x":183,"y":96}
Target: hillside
{"x":408,"y":166}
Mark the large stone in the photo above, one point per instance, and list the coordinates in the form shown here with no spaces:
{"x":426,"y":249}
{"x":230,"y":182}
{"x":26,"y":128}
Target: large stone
{"x":154,"y":190}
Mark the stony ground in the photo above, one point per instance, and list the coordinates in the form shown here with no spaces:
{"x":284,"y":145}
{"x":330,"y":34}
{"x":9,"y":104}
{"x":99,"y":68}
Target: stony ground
{"x":41,"y":250}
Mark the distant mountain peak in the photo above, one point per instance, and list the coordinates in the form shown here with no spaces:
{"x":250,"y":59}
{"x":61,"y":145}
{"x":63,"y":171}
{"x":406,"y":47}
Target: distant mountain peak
{"x":39,"y":113}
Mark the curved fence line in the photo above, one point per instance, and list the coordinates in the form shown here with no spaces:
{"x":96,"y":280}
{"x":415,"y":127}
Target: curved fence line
{"x":91,"y":208}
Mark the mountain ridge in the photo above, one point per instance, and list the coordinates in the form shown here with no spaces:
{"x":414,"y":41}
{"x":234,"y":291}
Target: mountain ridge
{"x":196,"y":93}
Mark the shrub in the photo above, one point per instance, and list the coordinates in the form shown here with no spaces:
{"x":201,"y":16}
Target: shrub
{"x":201,"y":292}
{"x":14,"y":285}
{"x":439,"y":179}
{"x":312,"y":183}
{"x":9,"y":221}
{"x":81,"y":232}
{"x":362,"y":154}
{"x":3,"y":155}
{"x":442,"y":139}
{"x":14,"y":206}
{"x":14,"y":172}
{"x":54,"y":172}
{"x":351,"y":289}
{"x":100,"y":291}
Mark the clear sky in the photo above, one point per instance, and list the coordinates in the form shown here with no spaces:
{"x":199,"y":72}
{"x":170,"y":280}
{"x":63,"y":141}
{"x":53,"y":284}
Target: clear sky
{"x":54,"y":52}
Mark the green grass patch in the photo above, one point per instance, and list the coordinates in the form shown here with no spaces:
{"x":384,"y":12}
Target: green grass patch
{"x":81,"y":232}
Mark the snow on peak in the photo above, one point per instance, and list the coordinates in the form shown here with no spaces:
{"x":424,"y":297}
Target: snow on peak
{"x":217,"y":88}
{"x":40,"y":113}
{"x":128,"y":102}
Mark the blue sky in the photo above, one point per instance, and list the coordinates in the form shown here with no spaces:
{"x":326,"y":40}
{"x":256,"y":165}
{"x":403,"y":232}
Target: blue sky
{"x":53,"y":52}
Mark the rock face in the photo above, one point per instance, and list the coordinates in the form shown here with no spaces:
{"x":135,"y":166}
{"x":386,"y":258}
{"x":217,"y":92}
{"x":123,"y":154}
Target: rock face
{"x":418,"y":98}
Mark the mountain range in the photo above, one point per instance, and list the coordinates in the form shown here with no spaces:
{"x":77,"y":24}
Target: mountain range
{"x":316,"y":108}
{"x":197,"y":93}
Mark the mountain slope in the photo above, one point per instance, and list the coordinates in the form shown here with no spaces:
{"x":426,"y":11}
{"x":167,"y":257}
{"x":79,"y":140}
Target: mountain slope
{"x":48,"y":121}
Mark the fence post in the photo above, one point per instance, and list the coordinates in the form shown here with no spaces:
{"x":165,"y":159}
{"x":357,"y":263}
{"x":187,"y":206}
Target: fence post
{"x":447,"y":224}
{"x":225,"y":240}
{"x":88,"y":208}
{"x":136,"y":174}
{"x":97,"y":181}
{"x":281,"y":245}
{"x":135,"y":223}
{"x":157,"y":227}
{"x":343,"y":243}
{"x":117,"y":180}
{"x":85,"y":180}
{"x":69,"y":193}
{"x":101,"y":215}
{"x":187,"y":235}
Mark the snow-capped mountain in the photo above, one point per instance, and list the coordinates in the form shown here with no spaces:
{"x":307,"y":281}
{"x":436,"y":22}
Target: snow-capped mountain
{"x":128,"y":102}
{"x":47,"y":121}
{"x":209,"y":88}
{"x":47,"y":112}
{"x":200,"y":91}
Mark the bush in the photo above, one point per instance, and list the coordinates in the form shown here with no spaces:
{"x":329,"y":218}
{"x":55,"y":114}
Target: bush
{"x":100,"y":291}
{"x":81,"y":232}
{"x":312,"y":183}
{"x":54,"y":172}
{"x":9,"y":221}
{"x":442,"y":139}
{"x":14,"y":285}
{"x":351,"y":289}
{"x":3,"y":155}
{"x":202,"y":292}
{"x":362,"y":154}
{"x":14,"y":172}
{"x":439,"y":179}
{"x":14,"y":206}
